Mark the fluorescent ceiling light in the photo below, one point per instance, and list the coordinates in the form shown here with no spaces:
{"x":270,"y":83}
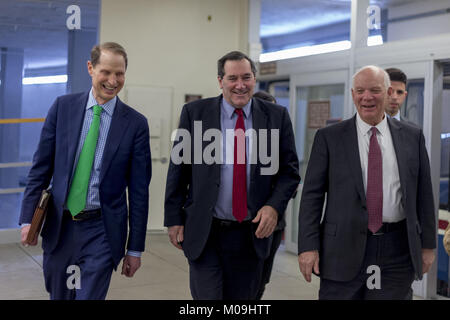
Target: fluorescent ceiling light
{"x":374,"y":40}
{"x":316,"y":49}
{"x":305,"y":51}
{"x":45,"y":80}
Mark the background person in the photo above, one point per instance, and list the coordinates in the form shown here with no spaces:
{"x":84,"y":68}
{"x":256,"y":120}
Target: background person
{"x":279,"y":229}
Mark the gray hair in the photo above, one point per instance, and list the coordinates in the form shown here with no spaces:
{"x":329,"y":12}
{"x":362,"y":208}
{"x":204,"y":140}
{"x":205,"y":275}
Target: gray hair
{"x":375,"y":69}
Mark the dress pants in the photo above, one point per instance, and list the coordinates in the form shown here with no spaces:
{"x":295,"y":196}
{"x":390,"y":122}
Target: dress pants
{"x":84,"y":246}
{"x":390,"y":252}
{"x":228,"y":268}
{"x":268,"y":263}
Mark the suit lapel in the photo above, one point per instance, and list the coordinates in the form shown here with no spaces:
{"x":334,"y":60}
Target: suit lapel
{"x":350,"y":141}
{"x":119,"y":124}
{"x":398,"y":142}
{"x":259,"y":121}
{"x":211,"y":120}
{"x":74,"y":121}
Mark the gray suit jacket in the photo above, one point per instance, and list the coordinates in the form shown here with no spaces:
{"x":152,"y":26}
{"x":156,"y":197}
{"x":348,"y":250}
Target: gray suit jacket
{"x":334,"y":172}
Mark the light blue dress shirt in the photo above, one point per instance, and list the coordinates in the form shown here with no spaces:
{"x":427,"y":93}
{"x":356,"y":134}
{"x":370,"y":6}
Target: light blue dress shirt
{"x":228,"y":118}
{"x":93,"y":197}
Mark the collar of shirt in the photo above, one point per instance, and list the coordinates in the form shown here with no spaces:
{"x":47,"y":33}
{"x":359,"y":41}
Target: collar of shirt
{"x":397,"y":116}
{"x":364,"y":128}
{"x":229,"y":109}
{"x":108,"y":106}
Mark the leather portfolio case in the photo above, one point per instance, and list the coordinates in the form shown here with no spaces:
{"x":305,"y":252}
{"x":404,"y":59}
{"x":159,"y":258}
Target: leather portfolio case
{"x":39,"y":215}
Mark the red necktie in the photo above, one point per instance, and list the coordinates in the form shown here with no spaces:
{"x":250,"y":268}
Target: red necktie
{"x":239,"y":170}
{"x":374,"y":184}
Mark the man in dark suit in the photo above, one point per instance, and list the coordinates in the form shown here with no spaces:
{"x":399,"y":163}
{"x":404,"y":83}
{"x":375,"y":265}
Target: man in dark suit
{"x":397,"y":98}
{"x":399,"y":93}
{"x":378,"y":231}
{"x":222,"y":213}
{"x":93,"y":147}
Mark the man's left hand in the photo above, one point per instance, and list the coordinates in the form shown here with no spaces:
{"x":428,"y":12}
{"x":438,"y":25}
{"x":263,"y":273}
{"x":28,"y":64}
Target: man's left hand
{"x":267,"y":218}
{"x":427,"y":259}
{"x":130,"y":265}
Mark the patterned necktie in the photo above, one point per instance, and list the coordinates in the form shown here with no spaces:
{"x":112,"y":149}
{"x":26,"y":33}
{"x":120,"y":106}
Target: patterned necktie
{"x":76,"y":200}
{"x":239,"y":170}
{"x":374,"y":194}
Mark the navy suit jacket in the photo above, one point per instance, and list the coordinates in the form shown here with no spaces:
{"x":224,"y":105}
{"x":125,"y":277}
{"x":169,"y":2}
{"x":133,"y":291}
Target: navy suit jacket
{"x":126,"y":164}
{"x":334,"y":171}
{"x":192,"y":189}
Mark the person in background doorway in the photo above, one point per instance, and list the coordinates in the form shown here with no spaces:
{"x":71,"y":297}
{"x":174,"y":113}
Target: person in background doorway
{"x":279,"y":229}
{"x":399,"y":93}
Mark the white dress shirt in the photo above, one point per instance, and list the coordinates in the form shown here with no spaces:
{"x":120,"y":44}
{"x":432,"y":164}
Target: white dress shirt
{"x":392,"y":195}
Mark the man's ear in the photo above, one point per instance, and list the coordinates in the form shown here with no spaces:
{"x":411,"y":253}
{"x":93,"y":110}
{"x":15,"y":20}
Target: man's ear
{"x":389,"y":91}
{"x":220,"y":82}
{"x":90,"y":67}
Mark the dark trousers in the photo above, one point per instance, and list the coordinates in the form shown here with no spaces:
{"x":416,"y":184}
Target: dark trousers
{"x":390,"y":252}
{"x":268,"y":263}
{"x":228,"y":268}
{"x":83,"y":250}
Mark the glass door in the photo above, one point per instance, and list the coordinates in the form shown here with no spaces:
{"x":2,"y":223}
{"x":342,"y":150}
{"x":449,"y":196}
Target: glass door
{"x":317,"y":100}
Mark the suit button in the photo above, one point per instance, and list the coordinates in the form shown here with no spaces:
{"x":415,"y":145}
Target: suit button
{"x":211,"y":208}
{"x":363,"y":232}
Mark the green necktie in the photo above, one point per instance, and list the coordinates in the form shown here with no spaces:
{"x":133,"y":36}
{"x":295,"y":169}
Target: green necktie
{"x":76,"y":201}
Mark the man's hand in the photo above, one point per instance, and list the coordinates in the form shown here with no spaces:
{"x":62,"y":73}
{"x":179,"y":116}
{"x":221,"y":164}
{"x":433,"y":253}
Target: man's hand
{"x":307,"y":261}
{"x":24,"y":234}
{"x":427,"y":259}
{"x":176,"y":236}
{"x":130,"y":265}
{"x":267,"y":218}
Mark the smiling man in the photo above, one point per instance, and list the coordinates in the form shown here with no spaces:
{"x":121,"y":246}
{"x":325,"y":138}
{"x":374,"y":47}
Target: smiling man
{"x":223,"y":215}
{"x":378,"y":231}
{"x":93,"y":147}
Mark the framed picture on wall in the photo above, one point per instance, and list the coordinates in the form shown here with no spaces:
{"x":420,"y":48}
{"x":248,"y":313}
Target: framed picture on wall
{"x":191,"y":97}
{"x":318,"y":113}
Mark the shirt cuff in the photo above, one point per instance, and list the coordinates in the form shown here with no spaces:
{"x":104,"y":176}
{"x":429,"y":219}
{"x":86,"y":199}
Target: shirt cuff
{"x":134,"y":253}
{"x":24,"y":225}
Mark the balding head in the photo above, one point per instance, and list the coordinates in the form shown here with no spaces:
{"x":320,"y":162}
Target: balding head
{"x":370,"y":90}
{"x":376,"y":70}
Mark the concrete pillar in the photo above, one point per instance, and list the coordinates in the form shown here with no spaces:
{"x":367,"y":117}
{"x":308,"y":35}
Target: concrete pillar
{"x":11,"y":70}
{"x":254,"y":42}
{"x":79,"y":50}
{"x":358,"y":38}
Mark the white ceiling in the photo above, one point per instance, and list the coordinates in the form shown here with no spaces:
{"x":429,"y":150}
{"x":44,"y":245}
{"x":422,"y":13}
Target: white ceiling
{"x":286,"y":16}
{"x":39,"y":26}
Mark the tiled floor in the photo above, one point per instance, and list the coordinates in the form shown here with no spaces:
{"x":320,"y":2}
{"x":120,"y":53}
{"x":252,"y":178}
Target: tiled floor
{"x":163,"y":275}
